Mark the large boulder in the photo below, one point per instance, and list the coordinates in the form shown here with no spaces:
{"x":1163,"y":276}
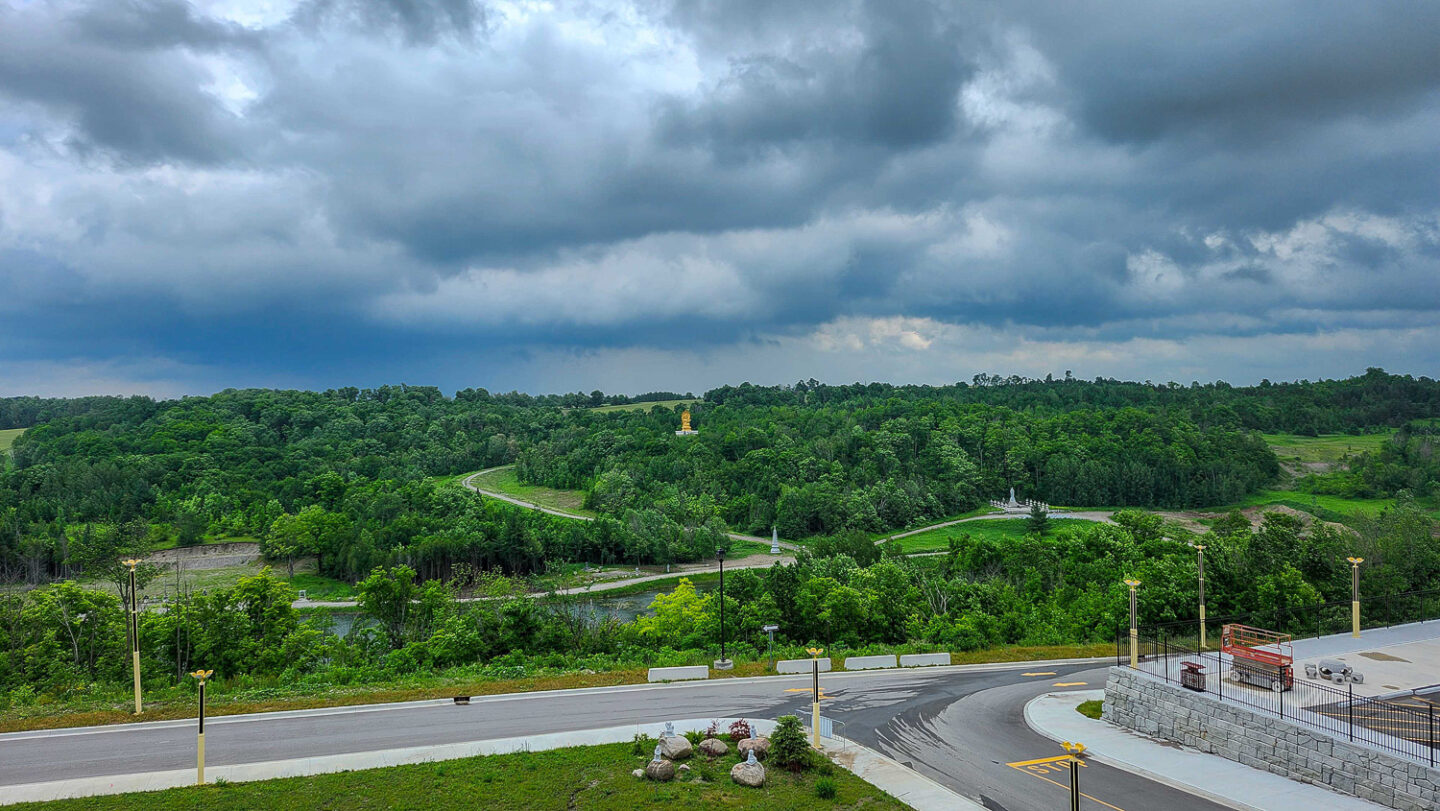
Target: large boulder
{"x":660,"y":770}
{"x":748,"y":774}
{"x":676,"y":747}
{"x":713,"y":747}
{"x":760,"y":746}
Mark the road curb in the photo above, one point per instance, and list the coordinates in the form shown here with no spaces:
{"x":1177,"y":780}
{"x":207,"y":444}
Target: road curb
{"x":906,"y":785}
{"x":1035,"y":712}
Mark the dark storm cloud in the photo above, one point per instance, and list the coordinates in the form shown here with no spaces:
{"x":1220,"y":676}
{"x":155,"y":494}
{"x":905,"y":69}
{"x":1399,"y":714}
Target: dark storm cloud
{"x":356,"y":184}
{"x":122,"y":76}
{"x":895,"y":90}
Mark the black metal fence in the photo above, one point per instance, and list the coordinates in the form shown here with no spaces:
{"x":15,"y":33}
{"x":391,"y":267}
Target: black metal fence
{"x":1404,"y":726}
{"x":1313,"y":620}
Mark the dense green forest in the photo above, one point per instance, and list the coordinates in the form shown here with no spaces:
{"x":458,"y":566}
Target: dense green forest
{"x":358,"y":477}
{"x":362,"y":480}
{"x":64,"y":640}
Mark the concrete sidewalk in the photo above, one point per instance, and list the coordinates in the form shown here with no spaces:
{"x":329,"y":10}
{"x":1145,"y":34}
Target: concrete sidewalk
{"x":906,"y":785}
{"x":1210,"y":776}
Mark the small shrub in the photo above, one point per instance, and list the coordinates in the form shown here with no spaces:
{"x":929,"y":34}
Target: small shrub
{"x":825,"y":788}
{"x":787,"y":744}
{"x":740,"y":730}
{"x":694,"y":736}
{"x":713,"y":731}
{"x":642,"y":744}
{"x":825,"y":768}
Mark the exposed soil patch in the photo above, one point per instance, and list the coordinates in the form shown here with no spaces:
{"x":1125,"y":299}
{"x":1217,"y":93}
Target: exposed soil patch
{"x":210,"y":556}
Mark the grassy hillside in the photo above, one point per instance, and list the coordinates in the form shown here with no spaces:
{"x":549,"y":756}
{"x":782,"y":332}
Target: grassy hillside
{"x":668,"y":404}
{"x":503,"y":480}
{"x":996,"y":529}
{"x":1326,"y":449}
{"x":7,"y":437}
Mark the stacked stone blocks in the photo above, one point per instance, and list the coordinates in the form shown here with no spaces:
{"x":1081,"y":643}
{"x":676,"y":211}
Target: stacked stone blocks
{"x":1237,"y":732}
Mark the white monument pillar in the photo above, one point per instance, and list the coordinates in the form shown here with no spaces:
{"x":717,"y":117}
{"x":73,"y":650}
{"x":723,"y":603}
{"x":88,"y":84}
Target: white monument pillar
{"x":774,"y":541}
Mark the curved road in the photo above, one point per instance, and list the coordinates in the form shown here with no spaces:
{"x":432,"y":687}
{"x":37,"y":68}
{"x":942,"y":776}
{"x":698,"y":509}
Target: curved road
{"x":469,"y":483}
{"x":961,"y":726}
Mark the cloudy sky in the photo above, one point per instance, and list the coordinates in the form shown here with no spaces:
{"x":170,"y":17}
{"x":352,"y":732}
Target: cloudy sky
{"x":676,"y":194}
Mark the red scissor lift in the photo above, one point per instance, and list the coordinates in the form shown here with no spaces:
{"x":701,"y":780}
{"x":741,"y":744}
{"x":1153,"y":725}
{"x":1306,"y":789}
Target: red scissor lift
{"x":1259,"y":657}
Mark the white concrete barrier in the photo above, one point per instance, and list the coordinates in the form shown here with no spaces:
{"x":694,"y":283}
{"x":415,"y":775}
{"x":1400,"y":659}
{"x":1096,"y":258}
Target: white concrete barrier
{"x":679,"y":673}
{"x":924,"y":659}
{"x":801,"y":665}
{"x":869,"y":662}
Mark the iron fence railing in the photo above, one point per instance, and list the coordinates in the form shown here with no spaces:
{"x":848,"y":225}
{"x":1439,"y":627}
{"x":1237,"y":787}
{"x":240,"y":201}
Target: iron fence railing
{"x":1313,"y":620}
{"x":1403,"y":726}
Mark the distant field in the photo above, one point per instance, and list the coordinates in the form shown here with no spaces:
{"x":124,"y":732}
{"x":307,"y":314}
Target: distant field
{"x":7,"y":437}
{"x":504,"y":481}
{"x":642,"y":406}
{"x":987,"y":510}
{"x":999,"y":529}
{"x":1306,"y":501}
{"x":1326,"y":448}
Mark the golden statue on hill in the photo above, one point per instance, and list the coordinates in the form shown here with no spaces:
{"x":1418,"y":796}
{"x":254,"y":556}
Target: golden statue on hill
{"x":685,"y":429}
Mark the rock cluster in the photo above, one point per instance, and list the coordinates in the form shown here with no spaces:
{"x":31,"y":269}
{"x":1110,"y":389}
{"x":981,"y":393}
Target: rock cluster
{"x":760,"y":746}
{"x":749,"y":773}
{"x":675,"y":747}
{"x":660,"y":770}
{"x":713,"y":747}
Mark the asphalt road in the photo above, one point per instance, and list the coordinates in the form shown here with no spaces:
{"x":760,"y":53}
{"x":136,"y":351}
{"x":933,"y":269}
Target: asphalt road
{"x":960,"y":726}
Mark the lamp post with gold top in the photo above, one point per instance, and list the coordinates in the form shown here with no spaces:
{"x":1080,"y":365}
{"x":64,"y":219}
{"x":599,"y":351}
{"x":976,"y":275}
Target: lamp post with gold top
{"x":1355,"y":595}
{"x":815,"y":699}
{"x":134,"y":629}
{"x":1200,"y":568}
{"x":202,"y":675}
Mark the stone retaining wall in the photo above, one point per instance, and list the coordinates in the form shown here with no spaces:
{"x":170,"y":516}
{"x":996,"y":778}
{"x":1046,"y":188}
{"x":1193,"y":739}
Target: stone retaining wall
{"x":1238,"y":733}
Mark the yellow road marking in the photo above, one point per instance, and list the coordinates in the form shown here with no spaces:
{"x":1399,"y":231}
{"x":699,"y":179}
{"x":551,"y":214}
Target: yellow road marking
{"x":1040,"y":767}
{"x":1046,"y":673}
{"x":1070,"y":683}
{"x":807,"y":690}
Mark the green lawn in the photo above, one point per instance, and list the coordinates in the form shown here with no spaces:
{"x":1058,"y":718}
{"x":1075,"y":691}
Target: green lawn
{"x":1000,"y":529}
{"x":591,"y":777}
{"x":1326,"y":448}
{"x":986,"y":510}
{"x":503,"y":480}
{"x":666,"y":404}
{"x":1307,"y":501}
{"x":7,"y":437}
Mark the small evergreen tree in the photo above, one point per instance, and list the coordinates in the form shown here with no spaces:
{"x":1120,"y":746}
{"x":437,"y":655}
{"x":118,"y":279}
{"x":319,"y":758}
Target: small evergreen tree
{"x":787,"y":744}
{"x":1039,"y":520}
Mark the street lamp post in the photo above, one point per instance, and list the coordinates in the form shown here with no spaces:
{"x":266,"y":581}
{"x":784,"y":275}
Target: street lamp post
{"x":134,"y":630}
{"x":815,"y":699}
{"x":202,"y":675}
{"x":724,"y":663}
{"x":1200,"y":567}
{"x":1134,"y":634}
{"x":1076,"y":751}
{"x":1355,"y":595}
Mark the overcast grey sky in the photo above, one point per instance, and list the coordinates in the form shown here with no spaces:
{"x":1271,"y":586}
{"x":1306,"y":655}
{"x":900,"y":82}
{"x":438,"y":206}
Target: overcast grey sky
{"x":676,"y":194}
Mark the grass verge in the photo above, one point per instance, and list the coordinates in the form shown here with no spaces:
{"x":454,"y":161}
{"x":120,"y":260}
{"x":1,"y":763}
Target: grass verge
{"x":504,"y":480}
{"x":1091,"y":709}
{"x":586,"y":777}
{"x":668,"y":405}
{"x":999,"y":529}
{"x":8,"y":436}
{"x":111,"y":705}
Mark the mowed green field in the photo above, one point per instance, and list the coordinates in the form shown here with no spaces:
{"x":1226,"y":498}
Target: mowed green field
{"x":1304,"y":501}
{"x":7,"y":437}
{"x":667,"y":404}
{"x":503,"y":480}
{"x":993,"y":529}
{"x":1326,"y":448}
{"x":591,"y":777}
